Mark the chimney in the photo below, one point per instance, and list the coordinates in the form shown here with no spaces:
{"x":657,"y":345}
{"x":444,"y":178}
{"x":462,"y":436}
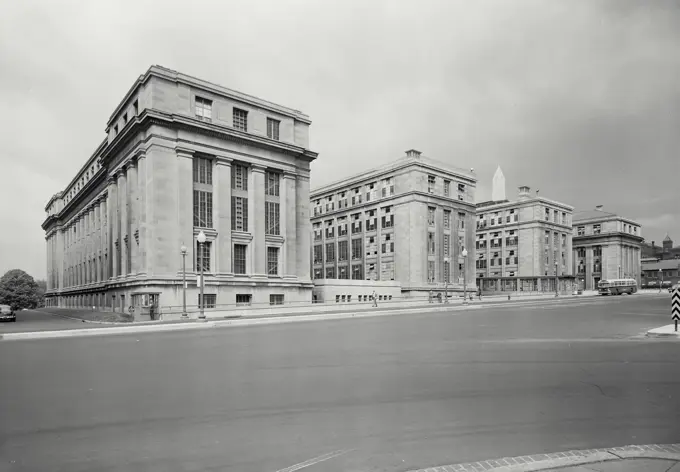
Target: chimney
{"x":524,"y":192}
{"x":413,"y":153}
{"x":598,"y":207}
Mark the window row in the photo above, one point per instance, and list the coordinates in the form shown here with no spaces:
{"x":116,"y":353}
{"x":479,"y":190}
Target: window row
{"x":203,"y":110}
{"x":239,"y":258}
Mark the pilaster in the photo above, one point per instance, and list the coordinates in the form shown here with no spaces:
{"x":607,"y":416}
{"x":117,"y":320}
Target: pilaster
{"x":222,"y":198}
{"x":303,"y":227}
{"x":256,"y":195}
{"x":133,"y":204}
{"x":289,"y":229}
{"x":142,"y":214}
{"x":112,"y":218}
{"x":123,"y":222}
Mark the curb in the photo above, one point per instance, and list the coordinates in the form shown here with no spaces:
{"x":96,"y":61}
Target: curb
{"x":59,"y":315}
{"x":117,"y":328}
{"x":663,"y":332}
{"x":538,"y":462}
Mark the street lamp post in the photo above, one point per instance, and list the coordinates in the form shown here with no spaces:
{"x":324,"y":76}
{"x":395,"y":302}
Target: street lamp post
{"x":619,"y":271}
{"x":446,"y":281}
{"x":183,"y":250}
{"x":557,"y":282}
{"x":465,"y":253}
{"x":660,"y":280}
{"x":201,"y":240}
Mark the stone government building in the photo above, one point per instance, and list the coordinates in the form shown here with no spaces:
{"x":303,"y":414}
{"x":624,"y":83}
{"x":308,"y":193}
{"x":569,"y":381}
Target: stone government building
{"x":182,"y":156}
{"x":407,"y":221}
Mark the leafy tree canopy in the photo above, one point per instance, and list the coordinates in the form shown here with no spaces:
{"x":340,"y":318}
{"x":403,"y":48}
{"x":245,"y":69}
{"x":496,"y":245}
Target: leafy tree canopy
{"x":19,"y":290}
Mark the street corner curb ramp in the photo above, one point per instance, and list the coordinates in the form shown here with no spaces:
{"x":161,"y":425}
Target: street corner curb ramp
{"x":556,"y":460}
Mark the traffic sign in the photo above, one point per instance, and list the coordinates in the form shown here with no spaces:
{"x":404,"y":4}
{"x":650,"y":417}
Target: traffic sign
{"x":675,"y":307}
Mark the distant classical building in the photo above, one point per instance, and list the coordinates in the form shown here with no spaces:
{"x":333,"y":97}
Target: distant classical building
{"x":523,"y":244}
{"x":181,"y":156}
{"x":407,"y":221}
{"x":606,"y":246}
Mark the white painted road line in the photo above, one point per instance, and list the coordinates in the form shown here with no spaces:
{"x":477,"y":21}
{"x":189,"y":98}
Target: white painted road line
{"x":314,"y":460}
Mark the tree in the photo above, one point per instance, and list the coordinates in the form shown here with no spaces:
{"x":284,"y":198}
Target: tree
{"x":42,"y":288}
{"x":19,"y":290}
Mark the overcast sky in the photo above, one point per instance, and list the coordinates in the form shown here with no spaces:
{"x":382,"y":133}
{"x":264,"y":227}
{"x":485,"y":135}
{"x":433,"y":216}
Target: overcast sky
{"x":577,"y":98}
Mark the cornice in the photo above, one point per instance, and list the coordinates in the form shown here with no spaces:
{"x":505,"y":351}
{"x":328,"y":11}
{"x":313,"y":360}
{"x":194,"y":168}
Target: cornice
{"x":151,"y":117}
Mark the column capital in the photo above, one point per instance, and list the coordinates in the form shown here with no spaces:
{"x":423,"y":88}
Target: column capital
{"x":132,"y":162}
{"x":184,"y":151}
{"x":258,"y":168}
{"x":111,"y":179}
{"x":288,"y":174}
{"x":223,"y":161}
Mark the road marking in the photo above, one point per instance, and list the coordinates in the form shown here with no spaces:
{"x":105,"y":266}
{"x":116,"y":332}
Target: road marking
{"x":314,"y":460}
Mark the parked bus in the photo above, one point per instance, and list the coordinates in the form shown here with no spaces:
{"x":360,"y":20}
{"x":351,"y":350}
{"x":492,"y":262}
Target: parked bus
{"x":617,"y":286}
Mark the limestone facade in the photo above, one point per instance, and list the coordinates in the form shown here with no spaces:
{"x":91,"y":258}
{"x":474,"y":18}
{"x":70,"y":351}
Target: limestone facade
{"x":182,"y":156}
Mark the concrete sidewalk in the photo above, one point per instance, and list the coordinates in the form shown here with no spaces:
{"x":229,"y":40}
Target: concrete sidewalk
{"x":648,"y":458}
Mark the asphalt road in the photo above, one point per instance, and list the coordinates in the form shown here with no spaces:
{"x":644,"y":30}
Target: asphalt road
{"x":35,"y":320}
{"x":386,"y":393}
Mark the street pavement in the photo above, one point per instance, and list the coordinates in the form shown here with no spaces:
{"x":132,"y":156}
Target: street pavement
{"x":36,"y":320}
{"x":392,"y":393}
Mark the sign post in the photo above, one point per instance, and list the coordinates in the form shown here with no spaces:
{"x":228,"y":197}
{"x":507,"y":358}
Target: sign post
{"x":675,"y":307}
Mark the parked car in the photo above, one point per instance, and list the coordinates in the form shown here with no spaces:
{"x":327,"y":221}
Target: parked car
{"x":7,"y":314}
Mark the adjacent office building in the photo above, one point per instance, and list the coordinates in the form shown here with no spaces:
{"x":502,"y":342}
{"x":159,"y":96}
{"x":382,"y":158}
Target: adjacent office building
{"x":524,"y":244}
{"x":407,"y":221}
{"x":606,"y":246}
{"x":182,"y":156}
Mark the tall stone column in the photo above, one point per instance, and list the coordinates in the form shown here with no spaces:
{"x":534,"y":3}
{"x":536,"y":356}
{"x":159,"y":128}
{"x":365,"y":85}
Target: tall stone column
{"x":104,"y":233}
{"x":97,"y":241}
{"x":142,"y":259}
{"x":289,"y":215}
{"x":48,"y":241}
{"x":61,"y":252}
{"x":133,"y":234}
{"x":222,"y":203}
{"x":256,"y":196}
{"x":185,"y":209}
{"x":112,"y":218}
{"x":123,"y":222}
{"x":303,"y":226}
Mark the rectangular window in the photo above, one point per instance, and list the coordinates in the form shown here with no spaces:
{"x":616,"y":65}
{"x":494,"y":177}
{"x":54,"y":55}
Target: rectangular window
{"x":203,"y":256}
{"x":272,"y":218}
{"x":430,"y":216}
{"x":273,"y":261}
{"x":239,"y":177}
{"x":461,"y":220}
{"x":547,"y":238}
{"x":240,"y":258}
{"x":547,"y":214}
{"x":210,"y":300}
{"x":564,"y":218}
{"x":330,"y":272}
{"x":430,"y":183}
{"x":343,"y":273}
{"x":342,"y":251}
{"x":447,"y":219}
{"x":203,"y":209}
{"x":240,"y":119}
{"x":330,"y":252}
{"x":430,"y":272}
{"x":276,"y":299}
{"x":581,"y":230}
{"x":203,"y":108}
{"x":597,"y":229}
{"x":447,"y":272}
{"x":356,"y":249}
{"x":273,"y":128}
{"x":239,"y":214}
{"x":273,"y":180}
{"x":430,"y":244}
{"x":357,"y":272}
{"x":446,"y":245}
{"x":318,"y":254}
{"x":135,"y":107}
{"x":243,"y":299}
{"x":564,"y":240}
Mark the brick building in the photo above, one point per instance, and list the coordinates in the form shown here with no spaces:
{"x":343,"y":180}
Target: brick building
{"x":407,"y":221}
{"x":606,"y":246}
{"x":181,"y":156}
{"x":518,"y":243}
